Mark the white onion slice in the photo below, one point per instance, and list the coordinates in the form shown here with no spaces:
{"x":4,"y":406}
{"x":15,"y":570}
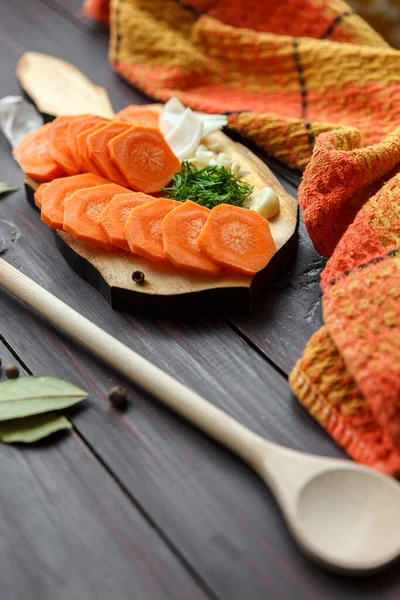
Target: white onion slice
{"x":174,"y":106}
{"x":185,"y":135}
{"x":174,"y":109}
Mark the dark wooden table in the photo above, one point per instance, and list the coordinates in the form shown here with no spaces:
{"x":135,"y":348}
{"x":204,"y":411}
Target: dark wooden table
{"x":142,"y":505}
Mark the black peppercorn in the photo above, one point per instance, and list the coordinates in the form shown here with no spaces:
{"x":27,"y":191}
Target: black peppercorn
{"x":138,"y":276}
{"x":12,"y":372}
{"x":118,"y":396}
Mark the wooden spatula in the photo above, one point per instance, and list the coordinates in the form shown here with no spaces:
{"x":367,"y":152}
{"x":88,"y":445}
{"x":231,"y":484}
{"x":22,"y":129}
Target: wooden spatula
{"x":343,"y":515}
{"x":58,"y":88}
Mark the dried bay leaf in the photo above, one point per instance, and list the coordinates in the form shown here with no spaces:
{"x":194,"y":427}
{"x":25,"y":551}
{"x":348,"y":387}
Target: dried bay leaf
{"x":6,"y":188}
{"x":36,"y":395}
{"x":31,"y":429}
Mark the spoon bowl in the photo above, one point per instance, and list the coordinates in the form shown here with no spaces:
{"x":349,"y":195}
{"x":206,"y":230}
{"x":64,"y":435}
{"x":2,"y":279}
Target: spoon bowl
{"x":350,"y":519}
{"x":343,"y":515}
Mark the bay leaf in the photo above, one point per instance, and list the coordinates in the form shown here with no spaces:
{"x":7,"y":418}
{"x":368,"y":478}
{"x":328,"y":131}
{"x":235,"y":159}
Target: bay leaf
{"x":5,"y":188}
{"x":27,"y":396}
{"x":31,"y":429}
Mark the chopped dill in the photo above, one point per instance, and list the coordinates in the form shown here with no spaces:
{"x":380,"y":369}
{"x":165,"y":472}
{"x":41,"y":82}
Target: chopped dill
{"x":209,"y":186}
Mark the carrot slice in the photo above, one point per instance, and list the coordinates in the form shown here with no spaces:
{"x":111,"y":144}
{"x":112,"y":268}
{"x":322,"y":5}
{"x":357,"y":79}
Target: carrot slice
{"x":34,"y":157}
{"x":238,"y":238}
{"x":143,"y":228}
{"x":82,"y":212}
{"x":136,"y":115}
{"x":144,"y":158}
{"x":181,"y":229}
{"x":76,"y":127}
{"x":115,"y":215}
{"x":86,"y":163}
{"x":57,"y":192}
{"x":37,"y":196}
{"x":100,"y":154}
{"x":58,"y":147}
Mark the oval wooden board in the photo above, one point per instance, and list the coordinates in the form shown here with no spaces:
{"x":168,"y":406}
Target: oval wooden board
{"x":168,"y":291}
{"x":57,"y":87}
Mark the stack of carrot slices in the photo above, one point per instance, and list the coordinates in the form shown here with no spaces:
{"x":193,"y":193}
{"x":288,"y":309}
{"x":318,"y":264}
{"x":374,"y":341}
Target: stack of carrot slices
{"x":88,"y":167}
{"x":129,"y":150}
{"x":191,"y":237}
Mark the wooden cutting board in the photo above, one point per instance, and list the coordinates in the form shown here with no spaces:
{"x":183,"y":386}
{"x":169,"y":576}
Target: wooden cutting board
{"x":166,"y":291}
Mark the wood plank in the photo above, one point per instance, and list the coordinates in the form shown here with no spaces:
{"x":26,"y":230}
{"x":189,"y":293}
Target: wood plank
{"x":23,"y":27}
{"x":208,"y":504}
{"x":213,"y":509}
{"x":289,"y":312}
{"x":68,"y":531}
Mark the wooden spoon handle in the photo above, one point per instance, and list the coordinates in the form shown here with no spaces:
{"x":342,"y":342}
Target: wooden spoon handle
{"x":213,"y":421}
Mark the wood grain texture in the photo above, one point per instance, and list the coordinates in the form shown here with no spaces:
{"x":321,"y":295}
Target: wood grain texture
{"x":289,"y":311}
{"x":34,"y":26}
{"x":213,"y":509}
{"x":68,"y":531}
{"x":208,"y":505}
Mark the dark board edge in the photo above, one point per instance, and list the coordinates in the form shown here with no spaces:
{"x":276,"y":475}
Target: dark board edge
{"x":178,"y":305}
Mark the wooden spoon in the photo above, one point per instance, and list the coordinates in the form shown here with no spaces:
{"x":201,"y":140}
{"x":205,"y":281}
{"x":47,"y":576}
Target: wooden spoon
{"x":343,"y":515}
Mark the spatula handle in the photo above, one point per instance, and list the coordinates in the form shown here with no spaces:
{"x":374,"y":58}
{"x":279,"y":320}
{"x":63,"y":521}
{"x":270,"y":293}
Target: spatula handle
{"x":213,"y":421}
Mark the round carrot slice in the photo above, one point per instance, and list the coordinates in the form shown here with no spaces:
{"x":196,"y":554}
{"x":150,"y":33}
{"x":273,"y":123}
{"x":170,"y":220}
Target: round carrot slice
{"x":34,"y":157}
{"x":136,"y":115}
{"x":144,"y":158}
{"x":38,"y":195}
{"x":76,"y":127}
{"x":114,"y":216}
{"x":238,"y":238}
{"x":86,"y":163}
{"x":82,"y":213}
{"x":58,"y":191}
{"x":143,"y":228}
{"x":58,"y":147}
{"x":99,"y":153}
{"x":181,"y":229}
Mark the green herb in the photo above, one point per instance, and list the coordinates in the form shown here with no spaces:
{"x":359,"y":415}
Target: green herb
{"x":35,"y":395}
{"x":31,"y":429}
{"x":209,"y":186}
{"x":6,"y":188}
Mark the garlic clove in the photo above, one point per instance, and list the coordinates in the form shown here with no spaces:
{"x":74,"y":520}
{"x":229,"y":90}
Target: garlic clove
{"x":268,"y":203}
{"x":235,"y":169}
{"x":204,"y":154}
{"x":223,"y":159}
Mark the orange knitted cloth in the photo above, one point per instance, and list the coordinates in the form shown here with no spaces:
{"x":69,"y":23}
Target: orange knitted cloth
{"x":302,"y":79}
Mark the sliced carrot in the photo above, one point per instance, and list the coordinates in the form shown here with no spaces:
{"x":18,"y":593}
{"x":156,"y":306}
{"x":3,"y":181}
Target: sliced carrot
{"x":143,"y":228}
{"x":115,"y":215}
{"x":34,"y":157}
{"x":87,"y":164}
{"x":58,"y":147}
{"x":58,"y":191}
{"x":136,"y":115}
{"x":99,"y":153}
{"x":76,"y":127}
{"x":238,"y":238}
{"x":144,"y":158}
{"x":181,"y":229}
{"x":82,"y":212}
{"x":37,"y":196}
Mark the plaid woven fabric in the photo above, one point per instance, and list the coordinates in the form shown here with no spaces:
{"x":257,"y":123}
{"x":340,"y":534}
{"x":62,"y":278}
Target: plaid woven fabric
{"x":312,"y":84}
